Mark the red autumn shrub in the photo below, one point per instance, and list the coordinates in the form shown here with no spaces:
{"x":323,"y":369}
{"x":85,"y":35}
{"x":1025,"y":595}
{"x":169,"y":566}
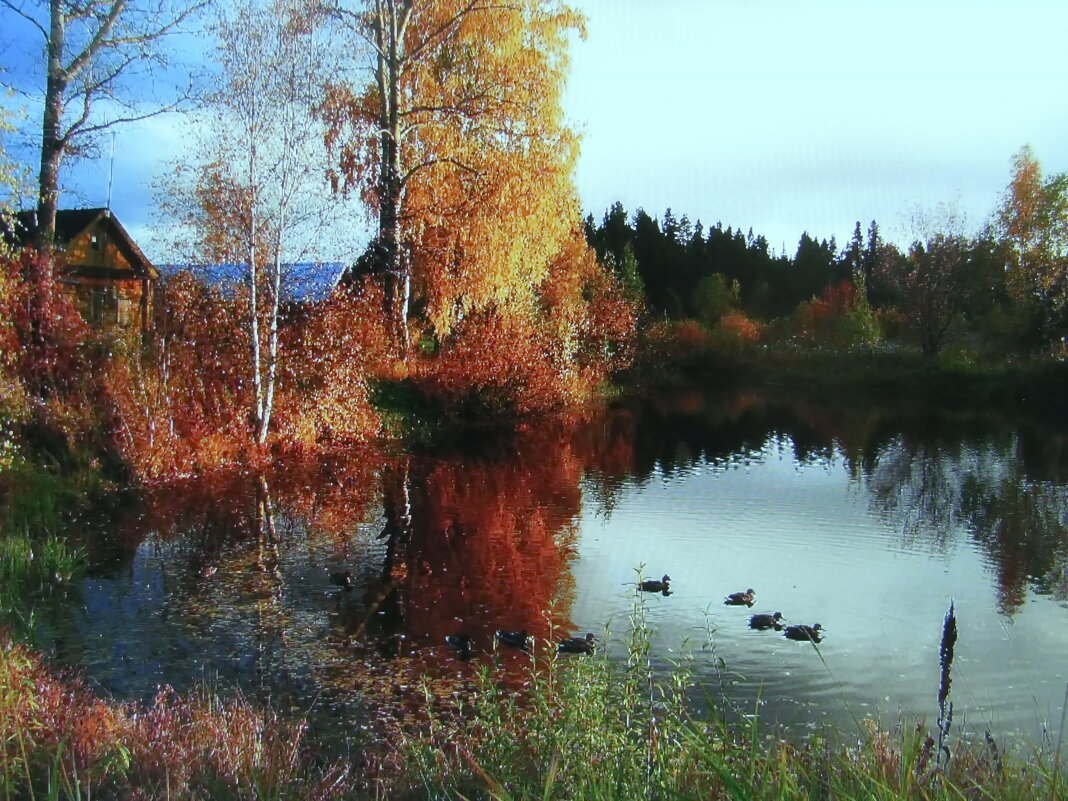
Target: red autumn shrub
{"x":538,"y":355}
{"x":493,"y":367}
{"x":330,"y":349}
{"x":49,"y":332}
{"x":62,"y":741}
{"x":738,"y":325}
{"x":185,"y":406}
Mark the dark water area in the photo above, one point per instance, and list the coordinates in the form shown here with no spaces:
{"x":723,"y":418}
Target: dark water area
{"x":869,"y":521}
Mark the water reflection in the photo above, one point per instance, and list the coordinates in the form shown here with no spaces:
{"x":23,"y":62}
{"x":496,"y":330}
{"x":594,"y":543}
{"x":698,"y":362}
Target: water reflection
{"x":929,"y":474}
{"x":867,"y":519}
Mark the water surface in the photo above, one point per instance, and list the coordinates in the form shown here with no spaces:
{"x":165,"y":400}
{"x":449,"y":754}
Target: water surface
{"x":868,"y":521}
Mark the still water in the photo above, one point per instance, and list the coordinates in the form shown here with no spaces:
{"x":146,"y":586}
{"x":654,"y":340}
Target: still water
{"x":868,"y":521}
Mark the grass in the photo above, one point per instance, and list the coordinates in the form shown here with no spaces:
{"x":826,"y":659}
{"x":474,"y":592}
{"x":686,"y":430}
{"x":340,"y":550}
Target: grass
{"x":31,"y":571}
{"x":38,"y":560}
{"x":59,"y":741}
{"x":599,"y":729}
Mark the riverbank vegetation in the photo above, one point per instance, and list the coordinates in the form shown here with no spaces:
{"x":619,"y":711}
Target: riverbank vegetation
{"x":582,"y":727}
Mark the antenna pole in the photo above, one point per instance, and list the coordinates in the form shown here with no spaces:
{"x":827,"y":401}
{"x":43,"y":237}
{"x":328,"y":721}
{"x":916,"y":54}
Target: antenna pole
{"x":111,"y":170}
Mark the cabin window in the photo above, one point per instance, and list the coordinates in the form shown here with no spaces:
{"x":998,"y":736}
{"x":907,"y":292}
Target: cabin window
{"x":104,"y":306}
{"x":94,"y":241}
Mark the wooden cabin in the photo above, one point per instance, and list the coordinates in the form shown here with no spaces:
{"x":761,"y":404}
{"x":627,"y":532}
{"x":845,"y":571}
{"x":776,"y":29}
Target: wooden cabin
{"x":107,"y":276}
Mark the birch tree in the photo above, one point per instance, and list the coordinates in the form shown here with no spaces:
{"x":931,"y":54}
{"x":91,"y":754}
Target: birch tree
{"x":97,"y":57}
{"x":256,"y":193}
{"x":458,"y":143}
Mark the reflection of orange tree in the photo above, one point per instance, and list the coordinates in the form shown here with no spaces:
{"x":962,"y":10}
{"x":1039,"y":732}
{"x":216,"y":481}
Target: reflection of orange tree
{"x":486,"y":542}
{"x":225,"y":509}
{"x":245,"y":560}
{"x":472,"y":544}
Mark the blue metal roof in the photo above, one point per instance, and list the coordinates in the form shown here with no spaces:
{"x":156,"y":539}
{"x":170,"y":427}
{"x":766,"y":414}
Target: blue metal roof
{"x":302,"y":282}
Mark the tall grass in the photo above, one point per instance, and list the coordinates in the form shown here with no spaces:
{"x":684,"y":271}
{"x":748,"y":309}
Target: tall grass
{"x":30,"y":572}
{"x":59,"y":741}
{"x":579,"y":727}
{"x":600,"y":729}
{"x":38,"y":559}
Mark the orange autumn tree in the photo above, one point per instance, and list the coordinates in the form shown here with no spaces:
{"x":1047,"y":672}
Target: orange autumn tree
{"x":460,"y":147}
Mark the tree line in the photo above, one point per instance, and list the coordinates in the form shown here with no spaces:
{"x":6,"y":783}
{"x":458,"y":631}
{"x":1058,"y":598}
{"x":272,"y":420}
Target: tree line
{"x":1000,"y":290}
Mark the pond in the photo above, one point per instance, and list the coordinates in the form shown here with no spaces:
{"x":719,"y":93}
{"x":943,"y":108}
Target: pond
{"x":869,"y":521}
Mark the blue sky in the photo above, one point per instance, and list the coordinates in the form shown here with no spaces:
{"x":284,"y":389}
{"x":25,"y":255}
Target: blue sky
{"x":781,"y":115}
{"x":795,"y":115}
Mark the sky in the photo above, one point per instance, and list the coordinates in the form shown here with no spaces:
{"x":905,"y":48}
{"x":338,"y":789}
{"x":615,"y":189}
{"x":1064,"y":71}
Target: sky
{"x":784,"y":116}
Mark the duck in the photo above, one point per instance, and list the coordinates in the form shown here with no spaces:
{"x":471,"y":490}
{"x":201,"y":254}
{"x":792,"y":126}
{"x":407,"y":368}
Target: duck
{"x":804,"y":633}
{"x":652,"y":585}
{"x":344,"y":580}
{"x":741,"y":598}
{"x":766,"y":621}
{"x":576,"y":645}
{"x":461,"y":644}
{"x":514,"y":639}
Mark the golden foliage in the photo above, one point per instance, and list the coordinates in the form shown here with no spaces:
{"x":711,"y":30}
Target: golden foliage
{"x":547,"y":354}
{"x":485,"y":159}
{"x":331,"y":351}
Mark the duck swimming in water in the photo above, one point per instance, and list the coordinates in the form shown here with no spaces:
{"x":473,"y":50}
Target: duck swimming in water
{"x":804,"y":633}
{"x":652,"y":585}
{"x":576,"y":645}
{"x":762,"y":622}
{"x":461,"y":644}
{"x":741,"y":598}
{"x":513,"y":639}
{"x":344,"y":580}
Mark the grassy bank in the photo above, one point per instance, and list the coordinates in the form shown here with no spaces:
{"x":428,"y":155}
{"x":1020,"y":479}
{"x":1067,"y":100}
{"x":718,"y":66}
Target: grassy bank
{"x":59,"y":741}
{"x":598,"y":729}
{"x":573,"y":727}
{"x":686,"y":357}
{"x":40,"y":555}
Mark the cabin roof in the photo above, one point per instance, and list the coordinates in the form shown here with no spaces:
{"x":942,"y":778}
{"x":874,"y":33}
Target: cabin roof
{"x":302,"y":282}
{"x":71,"y":223}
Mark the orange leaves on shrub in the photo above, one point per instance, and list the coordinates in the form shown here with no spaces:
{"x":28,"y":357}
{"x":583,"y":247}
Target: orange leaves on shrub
{"x":187,"y":407}
{"x":12,"y":395}
{"x":690,"y":335}
{"x":740,"y":326}
{"x":521,"y":358}
{"x":48,"y":331}
{"x":493,"y":367}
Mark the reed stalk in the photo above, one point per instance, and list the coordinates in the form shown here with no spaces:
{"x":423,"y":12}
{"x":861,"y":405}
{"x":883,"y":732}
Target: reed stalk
{"x":945,"y":706}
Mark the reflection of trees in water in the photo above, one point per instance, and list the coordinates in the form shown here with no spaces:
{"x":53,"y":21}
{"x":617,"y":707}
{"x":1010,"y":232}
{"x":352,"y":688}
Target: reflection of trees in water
{"x":436,"y":544}
{"x":475,"y":544}
{"x":242,"y":575}
{"x":984,"y":487}
{"x":1023,"y":526}
{"x":917,"y":485}
{"x":933,"y":475}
